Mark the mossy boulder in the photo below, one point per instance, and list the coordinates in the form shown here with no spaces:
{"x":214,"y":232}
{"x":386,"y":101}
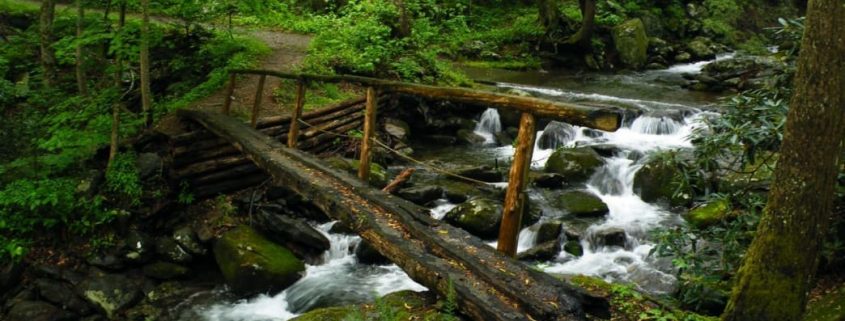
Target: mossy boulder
{"x":575,"y":164}
{"x":574,"y":248}
{"x":581,"y":203}
{"x":328,"y":314}
{"x":700,"y":48}
{"x":378,"y":175}
{"x":709,"y":214}
{"x":252,"y":264}
{"x":164,"y":270}
{"x":631,"y":42}
{"x":478,"y":216}
{"x":110,"y":293}
{"x":655,"y":181}
{"x":407,"y":305}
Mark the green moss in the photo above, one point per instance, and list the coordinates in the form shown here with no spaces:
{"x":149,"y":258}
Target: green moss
{"x":378,"y":175}
{"x":631,"y":42}
{"x":829,"y":307}
{"x":250,"y":263}
{"x":581,"y":203}
{"x":479,"y":216}
{"x":327,"y":314}
{"x":575,"y":164}
{"x":710,"y":213}
{"x":511,"y":64}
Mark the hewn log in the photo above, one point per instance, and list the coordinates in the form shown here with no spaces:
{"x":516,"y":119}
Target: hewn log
{"x":487,"y":284}
{"x":293,"y":133}
{"x":203,"y":155}
{"x":593,"y":117}
{"x":400,"y":179}
{"x":369,"y":132}
{"x":285,"y":119}
{"x":228,"y":174}
{"x":210,"y":166}
{"x":515,"y":195}
{"x":229,"y":186}
{"x":322,"y":128}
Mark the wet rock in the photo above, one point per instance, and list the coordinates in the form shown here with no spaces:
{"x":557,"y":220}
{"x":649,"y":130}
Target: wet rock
{"x":62,"y":295}
{"x":574,"y":248}
{"x":294,"y":234}
{"x":421,"y":195}
{"x":165,"y":270}
{"x":367,"y":254}
{"x":575,"y":164}
{"x":149,"y":164}
{"x":709,"y":214}
{"x":441,"y":140}
{"x":654,"y":182}
{"x":683,"y":56}
{"x":556,"y":134}
{"x":655,"y":66}
{"x":340,"y":228}
{"x":631,"y":42}
{"x":469,"y":137}
{"x":503,"y":138}
{"x":482,"y":173}
{"x":550,"y":180}
{"x":139,"y":247}
{"x":613,"y":236}
{"x":10,"y":275}
{"x":252,"y":264}
{"x":57,"y":273}
{"x":700,"y":48}
{"x":107,"y":261}
{"x":652,"y":279}
{"x":170,"y":250}
{"x":187,"y":239}
{"x":110,"y":293}
{"x":581,"y":203}
{"x":397,"y":128}
{"x":478,"y":216}
{"x":328,"y":314}
{"x":164,"y":300}
{"x":549,"y":231}
{"x":606,"y":150}
{"x":542,"y":252}
{"x":38,"y":311}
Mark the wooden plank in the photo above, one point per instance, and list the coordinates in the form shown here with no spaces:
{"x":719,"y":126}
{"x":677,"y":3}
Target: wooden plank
{"x":487,"y":284}
{"x":293,"y":133}
{"x":369,"y":132}
{"x":259,"y":94}
{"x":515,"y":195}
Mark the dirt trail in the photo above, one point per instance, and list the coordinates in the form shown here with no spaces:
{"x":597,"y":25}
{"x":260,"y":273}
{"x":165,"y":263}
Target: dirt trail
{"x":287,"y":50}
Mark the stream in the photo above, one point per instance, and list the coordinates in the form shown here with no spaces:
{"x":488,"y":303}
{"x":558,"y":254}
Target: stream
{"x":669,"y":115}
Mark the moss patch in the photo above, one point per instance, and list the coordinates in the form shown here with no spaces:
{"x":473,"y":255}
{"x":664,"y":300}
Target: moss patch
{"x":709,"y":214}
{"x":252,"y":264}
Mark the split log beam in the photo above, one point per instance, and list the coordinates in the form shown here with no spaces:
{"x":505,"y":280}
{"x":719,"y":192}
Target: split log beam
{"x":227,"y":175}
{"x":325,"y":138}
{"x":515,"y":195}
{"x":487,"y":284}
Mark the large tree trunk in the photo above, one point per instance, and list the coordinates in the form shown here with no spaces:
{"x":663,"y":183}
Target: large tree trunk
{"x":48,"y":56}
{"x":146,"y":93}
{"x":778,"y":269}
{"x":585,"y":33}
{"x":81,"y":82}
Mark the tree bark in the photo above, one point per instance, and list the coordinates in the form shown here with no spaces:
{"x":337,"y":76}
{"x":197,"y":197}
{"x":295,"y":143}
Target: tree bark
{"x":778,"y":269}
{"x":550,"y":15}
{"x":48,"y":55}
{"x":81,"y":82}
{"x":585,"y":32}
{"x":146,"y":93}
{"x":118,"y":84}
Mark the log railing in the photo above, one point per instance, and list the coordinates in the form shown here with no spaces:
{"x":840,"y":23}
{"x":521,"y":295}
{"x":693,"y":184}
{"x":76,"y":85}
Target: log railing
{"x":607,"y":119}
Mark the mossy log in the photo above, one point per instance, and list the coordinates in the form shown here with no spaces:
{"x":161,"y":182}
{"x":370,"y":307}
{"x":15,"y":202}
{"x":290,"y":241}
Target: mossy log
{"x":487,"y":284}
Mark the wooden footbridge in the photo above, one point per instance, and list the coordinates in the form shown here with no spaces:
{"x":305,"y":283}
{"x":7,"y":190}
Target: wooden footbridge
{"x":488,"y":284}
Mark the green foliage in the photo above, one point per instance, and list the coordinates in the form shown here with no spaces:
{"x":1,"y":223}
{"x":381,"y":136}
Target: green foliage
{"x":122,"y":178}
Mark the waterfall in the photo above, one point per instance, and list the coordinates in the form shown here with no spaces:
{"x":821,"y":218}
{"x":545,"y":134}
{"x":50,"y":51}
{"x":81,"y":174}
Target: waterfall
{"x":660,"y":125}
{"x":488,"y":125}
{"x":556,"y":134}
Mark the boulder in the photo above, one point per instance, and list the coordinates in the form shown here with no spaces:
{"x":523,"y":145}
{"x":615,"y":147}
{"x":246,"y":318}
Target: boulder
{"x":575,"y":164}
{"x":397,"y":128}
{"x":478,"y":216}
{"x":613,"y":236}
{"x":469,"y":137}
{"x":421,"y":195}
{"x":482,"y":173}
{"x":550,"y":181}
{"x":709,"y":214}
{"x":165,"y":270}
{"x":188,"y":240}
{"x":10,"y":274}
{"x":683,"y":56}
{"x":655,"y":182}
{"x":503,"y":138}
{"x":555,"y":135}
{"x":106,"y":261}
{"x":549,"y":231}
{"x":367,"y":254}
{"x":631,"y":42}
{"x":62,"y":295}
{"x":542,"y":252}
{"x":574,"y":248}
{"x":293,"y":233}
{"x":252,"y":264}
{"x":700,"y":49}
{"x":110,"y":293}
{"x":139,"y":247}
{"x":581,"y":203}
{"x":170,"y":250}
{"x":37,"y":311}
{"x":148,"y":164}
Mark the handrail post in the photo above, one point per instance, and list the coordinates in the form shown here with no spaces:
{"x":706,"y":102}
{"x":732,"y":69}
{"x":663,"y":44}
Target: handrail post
{"x":259,"y":93}
{"x":369,"y":129}
{"x":515,"y":197}
{"x":230,"y":90}
{"x":293,"y":133}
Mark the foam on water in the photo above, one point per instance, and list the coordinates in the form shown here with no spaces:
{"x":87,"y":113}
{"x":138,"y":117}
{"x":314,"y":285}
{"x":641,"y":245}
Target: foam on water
{"x":696,"y":67}
{"x":488,"y":125}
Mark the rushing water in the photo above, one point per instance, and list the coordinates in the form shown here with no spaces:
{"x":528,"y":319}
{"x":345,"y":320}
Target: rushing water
{"x":668,"y":116}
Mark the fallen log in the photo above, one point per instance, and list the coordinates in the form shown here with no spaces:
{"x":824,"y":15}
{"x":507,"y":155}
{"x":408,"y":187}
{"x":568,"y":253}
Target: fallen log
{"x":209,"y":166}
{"x":228,"y":174}
{"x":487,"y":284}
{"x":229,"y":186}
{"x":203,"y":155}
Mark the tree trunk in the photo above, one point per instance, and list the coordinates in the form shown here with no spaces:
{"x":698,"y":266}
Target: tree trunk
{"x":583,"y":36}
{"x":81,"y":82}
{"x":48,"y":56}
{"x":778,"y":269}
{"x":404,"y":28}
{"x":146,"y":94}
{"x":115,"y":110}
{"x":550,"y":15}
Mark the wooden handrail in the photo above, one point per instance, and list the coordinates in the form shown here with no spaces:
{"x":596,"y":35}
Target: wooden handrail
{"x":607,"y":119}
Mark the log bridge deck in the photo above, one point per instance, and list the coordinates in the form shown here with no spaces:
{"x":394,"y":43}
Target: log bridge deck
{"x":488,"y":284}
